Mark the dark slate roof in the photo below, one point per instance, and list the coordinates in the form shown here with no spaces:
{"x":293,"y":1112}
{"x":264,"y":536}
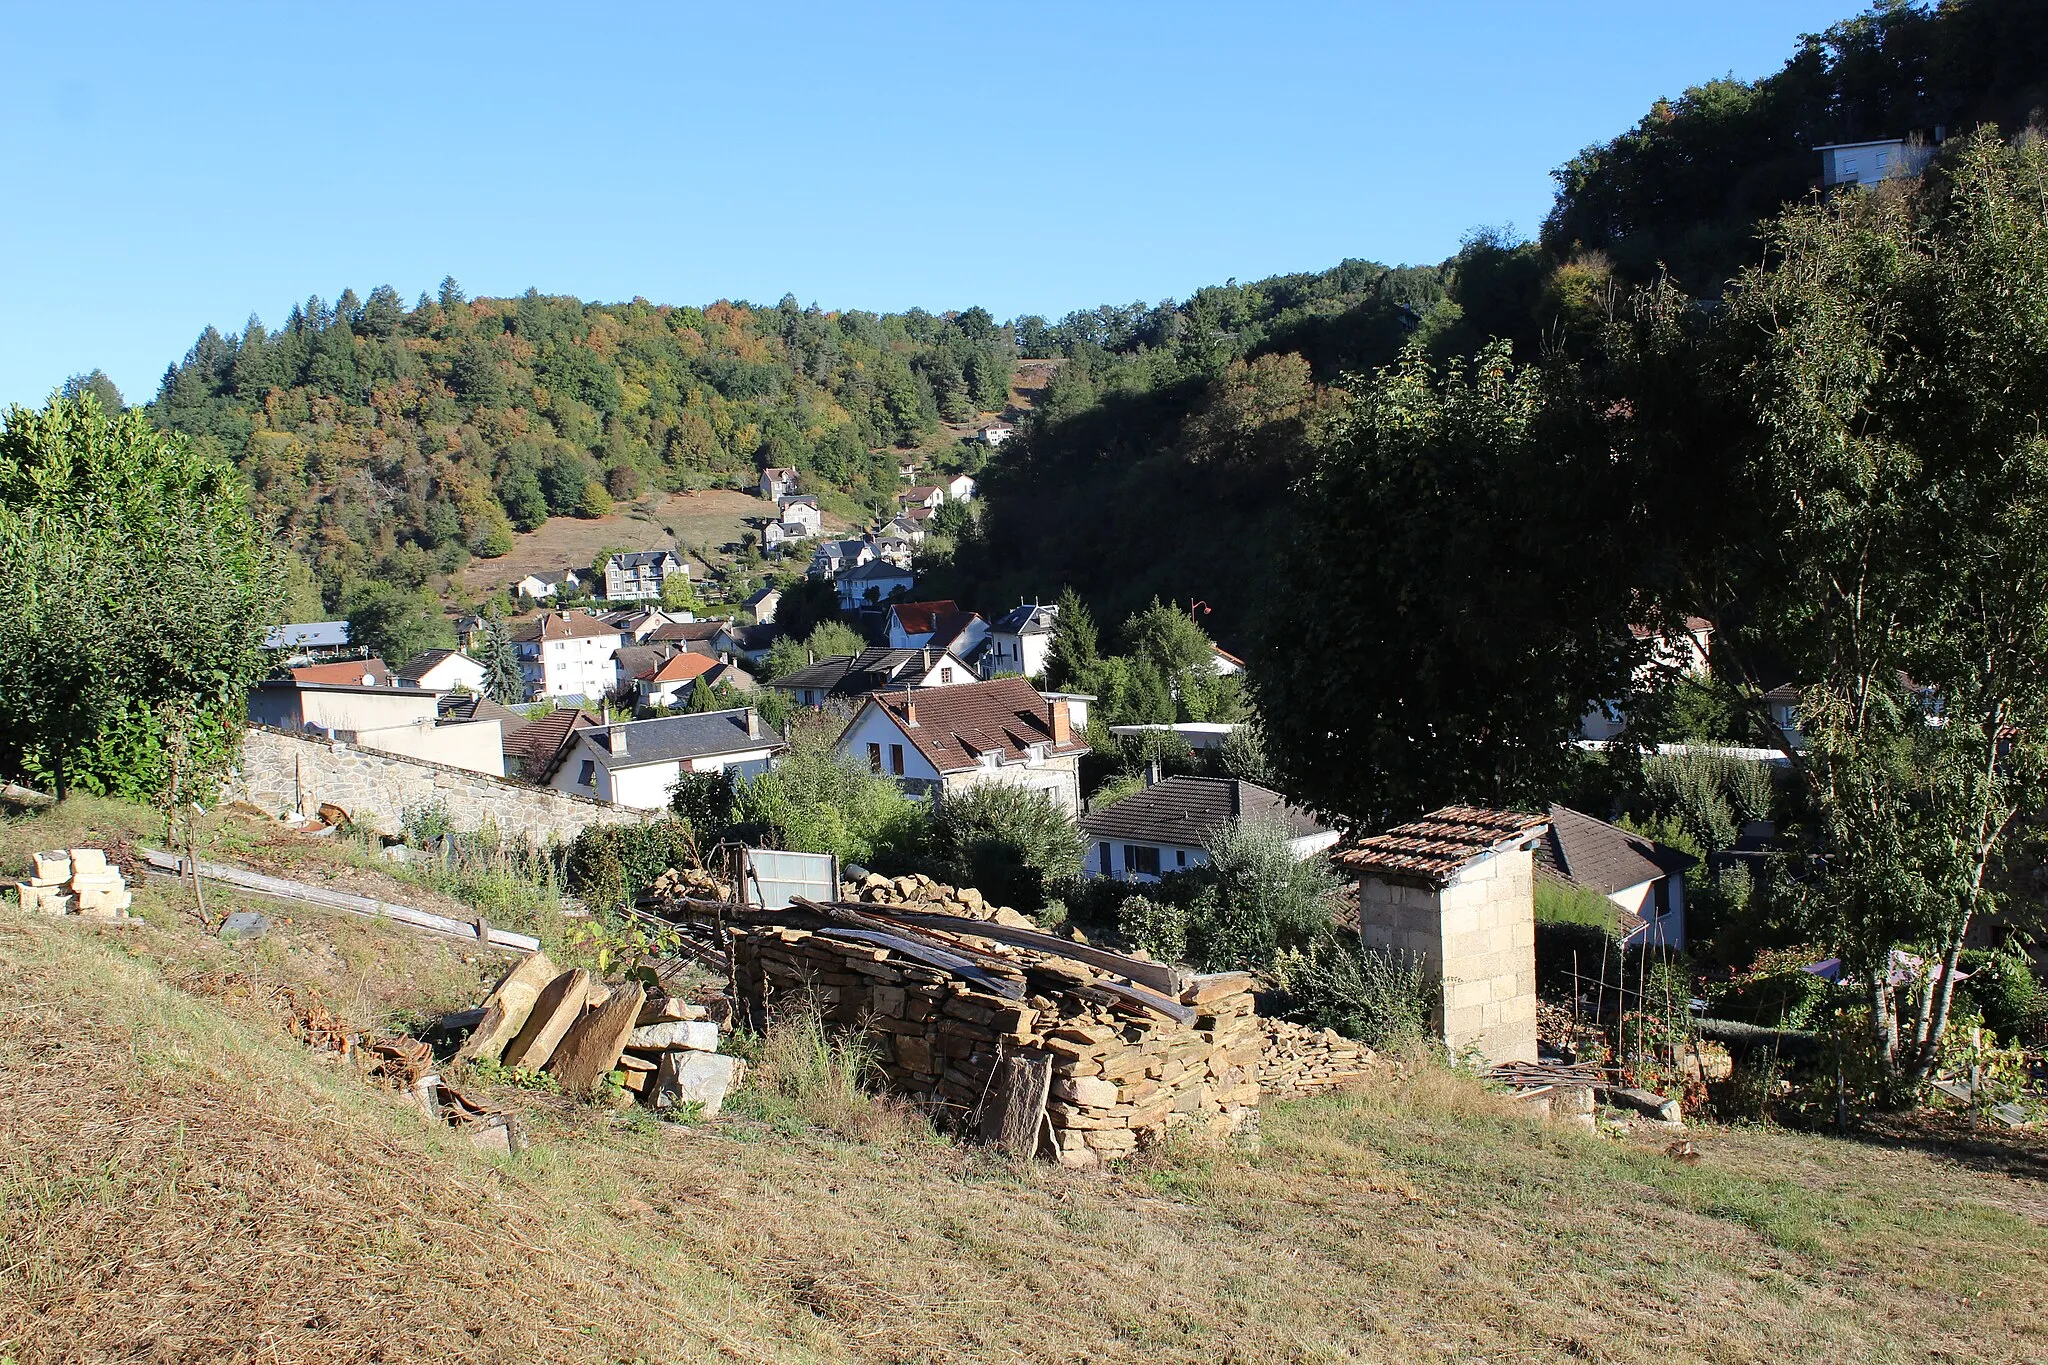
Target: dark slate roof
{"x":874,"y":568}
{"x":423,"y":663}
{"x":637,"y":661}
{"x":1433,"y":849}
{"x":1190,"y":811}
{"x":954,"y":726}
{"x":871,"y":670}
{"x":1032,"y":618}
{"x":456,"y":707}
{"x":634,"y":559}
{"x":669,"y":738}
{"x":751,"y":638}
{"x":1602,"y":857}
{"x":687,"y":632}
{"x":307,"y":635}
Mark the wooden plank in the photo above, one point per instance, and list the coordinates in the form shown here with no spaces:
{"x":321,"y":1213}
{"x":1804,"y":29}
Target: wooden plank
{"x":243,"y":879}
{"x":1015,"y":1111}
{"x":1159,"y":976}
{"x":919,"y":951}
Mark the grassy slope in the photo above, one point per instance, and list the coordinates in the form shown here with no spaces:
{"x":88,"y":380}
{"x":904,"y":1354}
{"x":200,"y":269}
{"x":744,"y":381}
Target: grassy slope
{"x":181,"y":1180}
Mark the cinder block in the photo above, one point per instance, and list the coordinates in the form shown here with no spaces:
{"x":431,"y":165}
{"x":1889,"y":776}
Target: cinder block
{"x":88,"y":862}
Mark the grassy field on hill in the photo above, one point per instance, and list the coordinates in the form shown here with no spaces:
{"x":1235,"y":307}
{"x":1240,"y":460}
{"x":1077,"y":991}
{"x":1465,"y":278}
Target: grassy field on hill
{"x":182,"y":1180}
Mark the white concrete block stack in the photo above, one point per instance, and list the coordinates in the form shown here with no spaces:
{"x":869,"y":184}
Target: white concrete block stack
{"x":77,"y":882}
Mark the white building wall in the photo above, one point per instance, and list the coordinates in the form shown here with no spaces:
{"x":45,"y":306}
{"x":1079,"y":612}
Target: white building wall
{"x":475,"y":746}
{"x":874,"y":726}
{"x":287,"y":708}
{"x":579,"y":667}
{"x":457,"y":670}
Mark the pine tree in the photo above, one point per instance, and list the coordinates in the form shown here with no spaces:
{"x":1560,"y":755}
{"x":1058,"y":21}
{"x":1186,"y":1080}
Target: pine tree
{"x":504,"y":683}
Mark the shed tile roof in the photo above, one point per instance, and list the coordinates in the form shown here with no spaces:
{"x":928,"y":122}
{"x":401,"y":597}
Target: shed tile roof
{"x":954,"y":726}
{"x":1602,"y":857}
{"x":1190,"y":811}
{"x":1433,"y":849}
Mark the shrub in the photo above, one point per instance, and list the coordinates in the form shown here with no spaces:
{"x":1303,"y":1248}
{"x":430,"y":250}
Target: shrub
{"x":815,"y":801}
{"x":1382,"y":999}
{"x":1560,"y":902}
{"x":611,"y":864}
{"x":1777,"y":991}
{"x":1256,"y":899}
{"x":1159,"y":927}
{"x":803,"y":1075}
{"x":704,"y":800}
{"x":1013,"y":843}
{"x":2003,"y":989}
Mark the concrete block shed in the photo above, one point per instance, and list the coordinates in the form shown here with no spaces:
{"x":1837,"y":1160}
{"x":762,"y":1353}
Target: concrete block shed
{"x":1455,"y":892}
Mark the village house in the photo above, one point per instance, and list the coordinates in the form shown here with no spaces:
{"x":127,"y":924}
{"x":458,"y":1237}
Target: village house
{"x":358,"y":703}
{"x":670,"y":682}
{"x":442,"y":670}
{"x":308,"y":639}
{"x":1170,"y":825}
{"x":874,"y":670}
{"x":1019,"y":640}
{"x":540,"y":587}
{"x":960,"y":488}
{"x":801,"y":516}
{"x":761,"y":606}
{"x":638,"y":576}
{"x":1201,"y":735}
{"x":565,"y":654}
{"x":834,"y":557}
{"x":637,"y":763}
{"x":1685,"y":651}
{"x":1224,"y":662}
{"x":1643,"y":878}
{"x":929,"y":496}
{"x":1871,"y":163}
{"x":713,"y":637}
{"x":752,"y":643}
{"x":639,"y":624}
{"x":995,"y":434}
{"x":903,"y":529}
{"x":937,"y":625}
{"x":470,"y":631}
{"x":950,"y":739}
{"x":871,"y":583}
{"x":534,"y":750}
{"x":777,"y":483}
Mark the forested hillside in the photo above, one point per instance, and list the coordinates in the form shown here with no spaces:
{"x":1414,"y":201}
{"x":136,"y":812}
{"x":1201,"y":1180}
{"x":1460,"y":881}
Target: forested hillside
{"x":390,"y":443}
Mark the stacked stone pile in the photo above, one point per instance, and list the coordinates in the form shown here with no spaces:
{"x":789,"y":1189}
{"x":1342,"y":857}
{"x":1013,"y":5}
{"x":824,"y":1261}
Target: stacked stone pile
{"x":689,"y":883}
{"x":919,"y":892}
{"x":1297,"y":1059}
{"x":76,"y":881}
{"x":574,"y":1027}
{"x":1120,"y":1075}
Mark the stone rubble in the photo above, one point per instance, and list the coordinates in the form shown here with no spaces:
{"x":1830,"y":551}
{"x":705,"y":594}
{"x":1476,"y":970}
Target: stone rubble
{"x":920,"y":892}
{"x":76,"y":882}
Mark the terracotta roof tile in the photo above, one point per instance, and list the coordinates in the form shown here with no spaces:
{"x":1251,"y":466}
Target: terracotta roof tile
{"x":348,"y":674}
{"x":956,"y":725}
{"x":1433,"y":849}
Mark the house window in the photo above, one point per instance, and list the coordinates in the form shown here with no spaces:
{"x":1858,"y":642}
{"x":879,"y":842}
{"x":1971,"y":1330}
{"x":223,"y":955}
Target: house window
{"x":896,"y":759}
{"x":874,"y":758}
{"x":1180,"y":857}
{"x":1660,"y":896}
{"x":945,"y":675}
{"x":1141,"y":858}
{"x":587,"y":775}
{"x":1103,"y":851}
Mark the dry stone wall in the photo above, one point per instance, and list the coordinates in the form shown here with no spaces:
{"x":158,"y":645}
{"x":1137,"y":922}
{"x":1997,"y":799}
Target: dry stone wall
{"x":1120,"y":1080}
{"x":282,"y":772}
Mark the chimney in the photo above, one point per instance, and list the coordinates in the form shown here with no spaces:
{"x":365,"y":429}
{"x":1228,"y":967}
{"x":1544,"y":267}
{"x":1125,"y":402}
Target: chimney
{"x":753,"y":723}
{"x":615,"y":736}
{"x":909,"y":709}
{"x":1152,"y":772}
{"x":1061,"y":720}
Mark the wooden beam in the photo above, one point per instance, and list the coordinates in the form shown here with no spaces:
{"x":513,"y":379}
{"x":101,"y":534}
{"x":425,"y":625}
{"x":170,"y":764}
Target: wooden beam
{"x":1163,"y":977}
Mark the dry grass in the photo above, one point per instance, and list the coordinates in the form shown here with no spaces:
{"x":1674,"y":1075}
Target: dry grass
{"x":183,"y":1182}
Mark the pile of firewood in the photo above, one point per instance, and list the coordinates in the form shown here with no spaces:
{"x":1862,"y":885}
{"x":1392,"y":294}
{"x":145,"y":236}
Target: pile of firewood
{"x":583,"y":1033}
{"x":76,"y":881}
{"x":922,"y":893}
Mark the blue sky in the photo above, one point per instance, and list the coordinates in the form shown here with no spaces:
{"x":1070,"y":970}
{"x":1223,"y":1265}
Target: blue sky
{"x":165,"y":170}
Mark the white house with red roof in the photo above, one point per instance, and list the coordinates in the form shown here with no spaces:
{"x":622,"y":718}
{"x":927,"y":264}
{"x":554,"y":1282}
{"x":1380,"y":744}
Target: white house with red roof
{"x":568,"y":654}
{"x":939,"y":625}
{"x":929,"y":496}
{"x":950,"y":739}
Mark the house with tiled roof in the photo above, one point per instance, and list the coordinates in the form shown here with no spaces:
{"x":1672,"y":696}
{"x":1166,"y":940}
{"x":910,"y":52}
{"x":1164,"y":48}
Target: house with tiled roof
{"x":777,"y":483}
{"x":638,"y":575}
{"x":871,"y":583}
{"x":441,"y":670}
{"x":948,"y":739}
{"x":1643,"y":878}
{"x":845,"y":676}
{"x":637,"y":763}
{"x":534,"y":749}
{"x":669,"y":682}
{"x":1170,"y":824}
{"x":938,"y":625}
{"x":568,"y":654}
{"x":929,"y":496}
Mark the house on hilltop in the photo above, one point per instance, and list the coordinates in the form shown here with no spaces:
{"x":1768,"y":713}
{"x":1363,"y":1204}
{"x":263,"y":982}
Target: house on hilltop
{"x":873,"y":582}
{"x":1170,"y":825}
{"x":541,"y":587}
{"x":638,"y":576}
{"x":950,"y":739}
{"x":777,"y":483}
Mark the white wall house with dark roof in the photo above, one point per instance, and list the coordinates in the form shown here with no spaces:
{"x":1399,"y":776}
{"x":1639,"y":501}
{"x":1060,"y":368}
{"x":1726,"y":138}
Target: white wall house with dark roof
{"x":1170,"y":825}
{"x":1019,"y":641}
{"x":638,"y":763}
{"x":1643,"y":879}
{"x":950,"y":739}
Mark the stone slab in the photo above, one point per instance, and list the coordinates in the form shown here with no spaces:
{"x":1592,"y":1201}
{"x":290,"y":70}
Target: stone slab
{"x":591,"y":1047}
{"x":697,"y":1035}
{"x":506,"y":1008}
{"x":559,"y":1006}
{"x":704,"y":1078}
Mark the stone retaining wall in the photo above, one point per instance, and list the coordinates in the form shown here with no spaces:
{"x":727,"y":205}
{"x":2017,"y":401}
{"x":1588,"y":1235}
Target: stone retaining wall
{"x":282,"y":772}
